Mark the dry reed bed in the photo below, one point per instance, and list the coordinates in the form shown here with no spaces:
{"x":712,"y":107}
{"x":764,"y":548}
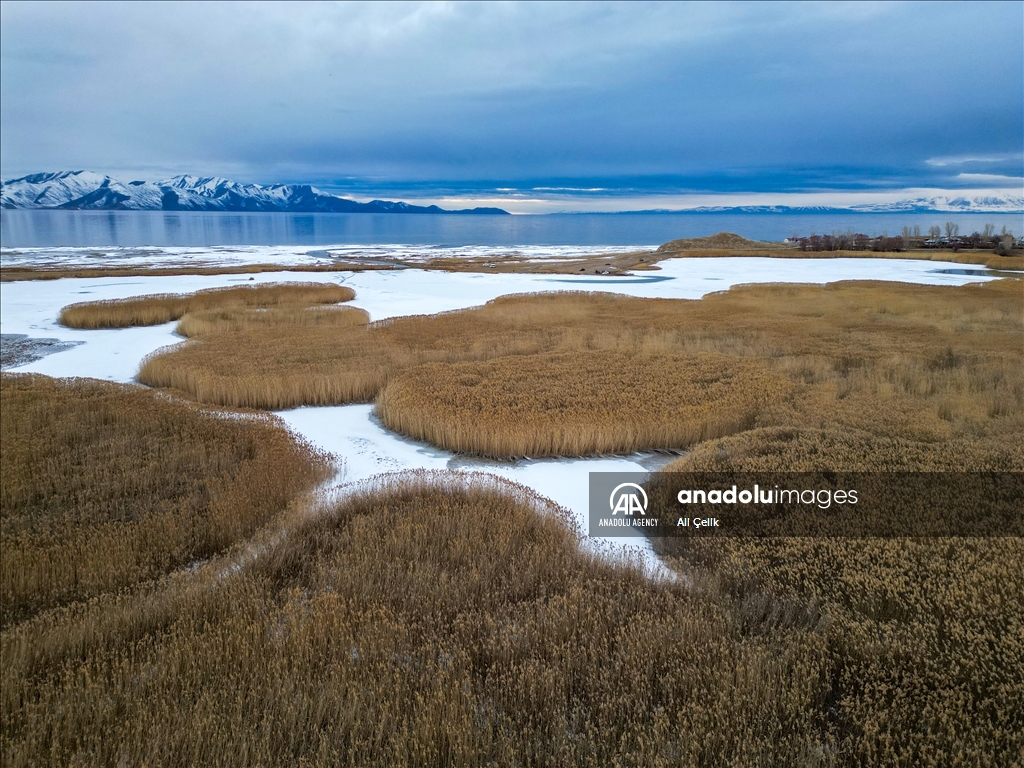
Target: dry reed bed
{"x":428,"y":625}
{"x":103,"y":486}
{"x":163,"y":308}
{"x":925,"y":363}
{"x":924,"y":637}
{"x":421,"y":625}
{"x":727,"y":244}
{"x":1015,"y":263}
{"x":568,"y":404}
{"x":984,"y":258}
{"x":205,"y":322}
{"x":787,"y":449}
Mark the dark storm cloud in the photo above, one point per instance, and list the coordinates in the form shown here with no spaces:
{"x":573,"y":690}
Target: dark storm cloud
{"x":662,"y":97}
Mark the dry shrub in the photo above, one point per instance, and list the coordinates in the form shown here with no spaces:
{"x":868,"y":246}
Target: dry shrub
{"x":163,"y":308}
{"x":424,"y":623}
{"x":104,"y":485}
{"x":924,"y":636}
{"x":570,"y":404}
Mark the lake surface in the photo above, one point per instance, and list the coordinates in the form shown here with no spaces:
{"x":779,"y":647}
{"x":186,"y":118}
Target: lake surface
{"x":157,"y":228}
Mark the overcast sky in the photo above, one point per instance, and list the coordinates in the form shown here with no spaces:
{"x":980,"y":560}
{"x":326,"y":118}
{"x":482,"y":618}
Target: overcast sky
{"x":573,"y":105}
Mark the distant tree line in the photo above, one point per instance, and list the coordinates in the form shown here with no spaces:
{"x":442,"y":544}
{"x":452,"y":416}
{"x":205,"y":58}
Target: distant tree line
{"x":1002,"y":243}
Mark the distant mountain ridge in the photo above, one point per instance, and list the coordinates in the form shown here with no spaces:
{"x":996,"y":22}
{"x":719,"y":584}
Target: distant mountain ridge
{"x":936,"y":204}
{"x":85,"y":190}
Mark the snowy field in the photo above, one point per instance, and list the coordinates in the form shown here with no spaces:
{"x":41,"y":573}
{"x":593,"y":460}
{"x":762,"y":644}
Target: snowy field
{"x":287,"y":255}
{"x":351,"y":432}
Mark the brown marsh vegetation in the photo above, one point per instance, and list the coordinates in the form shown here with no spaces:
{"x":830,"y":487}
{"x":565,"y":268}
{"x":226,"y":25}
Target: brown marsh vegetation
{"x":163,"y":308}
{"x":787,"y":449}
{"x":419,"y":623}
{"x":983,"y":259}
{"x":921,"y":363}
{"x":725,"y":244}
{"x":923,"y":637}
{"x":440,"y":621}
{"x":427,"y":623}
{"x":720,"y":245}
{"x":245,"y":319}
{"x":573,"y":403}
{"x":103,"y":486}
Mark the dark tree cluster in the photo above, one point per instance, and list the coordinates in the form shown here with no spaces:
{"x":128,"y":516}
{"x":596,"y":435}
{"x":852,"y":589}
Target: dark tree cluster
{"x":850,"y":242}
{"x":1001,"y":243}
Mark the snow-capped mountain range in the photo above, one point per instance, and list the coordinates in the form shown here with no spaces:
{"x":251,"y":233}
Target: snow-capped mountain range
{"x":948,"y":203}
{"x":934,"y":204}
{"x":84,"y":190}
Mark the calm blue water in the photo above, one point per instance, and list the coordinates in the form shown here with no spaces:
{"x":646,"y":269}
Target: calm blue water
{"x":133,"y":228}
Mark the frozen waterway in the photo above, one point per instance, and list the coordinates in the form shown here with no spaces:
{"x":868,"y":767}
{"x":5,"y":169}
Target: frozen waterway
{"x":352,"y":432}
{"x":32,"y":308}
{"x":408,"y":292}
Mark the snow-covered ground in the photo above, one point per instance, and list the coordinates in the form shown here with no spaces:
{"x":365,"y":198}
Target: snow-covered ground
{"x":351,"y":432}
{"x":287,"y":255}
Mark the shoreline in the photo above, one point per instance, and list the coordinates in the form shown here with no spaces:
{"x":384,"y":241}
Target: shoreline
{"x":602,"y":264}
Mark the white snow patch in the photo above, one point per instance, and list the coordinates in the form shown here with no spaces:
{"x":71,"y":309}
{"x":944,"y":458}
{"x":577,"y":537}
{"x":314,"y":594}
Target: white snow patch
{"x":75,"y":257}
{"x":353,"y":432}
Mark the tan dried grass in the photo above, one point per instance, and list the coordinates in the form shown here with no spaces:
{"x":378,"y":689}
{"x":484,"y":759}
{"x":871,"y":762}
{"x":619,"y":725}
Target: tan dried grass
{"x":923,"y":363}
{"x":924,"y":635}
{"x":569,"y":404}
{"x":787,"y":449}
{"x":163,"y":308}
{"x":418,"y":623}
{"x":447,"y":622}
{"x":103,"y":486}
{"x":205,"y":322}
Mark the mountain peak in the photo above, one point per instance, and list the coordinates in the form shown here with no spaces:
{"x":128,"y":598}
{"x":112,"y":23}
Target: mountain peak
{"x":85,"y":190}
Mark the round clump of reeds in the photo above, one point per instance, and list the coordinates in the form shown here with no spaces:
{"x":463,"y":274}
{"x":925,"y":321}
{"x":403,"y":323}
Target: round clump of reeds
{"x":163,"y":308}
{"x":572,"y":404}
